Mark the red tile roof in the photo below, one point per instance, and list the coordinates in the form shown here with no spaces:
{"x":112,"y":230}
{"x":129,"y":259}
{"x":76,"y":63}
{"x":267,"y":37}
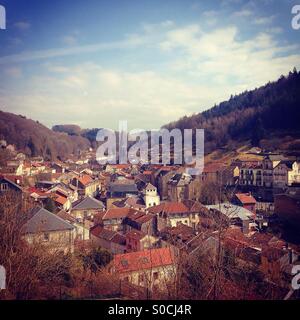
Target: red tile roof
{"x":85,"y":179}
{"x":169,"y":208}
{"x":60,"y":199}
{"x":143,"y":260}
{"x":245,"y":198}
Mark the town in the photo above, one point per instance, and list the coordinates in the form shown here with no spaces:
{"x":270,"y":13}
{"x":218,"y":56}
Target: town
{"x":154,"y":231}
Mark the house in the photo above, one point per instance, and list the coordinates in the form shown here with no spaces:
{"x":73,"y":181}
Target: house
{"x":198,"y":212}
{"x":113,"y":218}
{"x":9,"y":187}
{"x":86,"y":208}
{"x":58,"y":167}
{"x":118,"y":191}
{"x":245,"y":200}
{"x":48,"y":229}
{"x":86,"y":185}
{"x":137,"y":220}
{"x":14,"y":167}
{"x":235,"y":215}
{"x":82,"y":231}
{"x":153,"y":268}
{"x":294,"y":173}
{"x":214,"y":172}
{"x":161,"y":177}
{"x":61,"y":201}
{"x":177,"y":186}
{"x":138,"y":241}
{"x":115,"y":168}
{"x":177,"y":238}
{"x":251,"y":174}
{"x":193,"y":188}
{"x":151,"y":196}
{"x":170,"y":214}
{"x":280,"y":175}
{"x":108,"y":239}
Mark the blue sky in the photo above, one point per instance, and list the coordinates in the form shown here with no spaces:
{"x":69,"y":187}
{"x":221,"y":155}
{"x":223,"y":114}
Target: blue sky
{"x":96,"y":62}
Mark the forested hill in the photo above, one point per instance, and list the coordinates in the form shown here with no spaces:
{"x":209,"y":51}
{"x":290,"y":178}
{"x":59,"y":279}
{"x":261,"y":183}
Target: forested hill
{"x":35,"y":139}
{"x":259,"y":115}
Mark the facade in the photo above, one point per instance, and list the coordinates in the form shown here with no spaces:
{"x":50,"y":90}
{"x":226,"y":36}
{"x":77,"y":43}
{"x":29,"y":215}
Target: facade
{"x":294,"y":173}
{"x":86,"y":185}
{"x":49,"y":230}
{"x":280,"y":175}
{"x":251,"y":174}
{"x":138,"y":241}
{"x":169,"y":214}
{"x":245,"y":200}
{"x":113,"y":218}
{"x":108,"y":239}
{"x":152,"y":269}
{"x":177,"y":186}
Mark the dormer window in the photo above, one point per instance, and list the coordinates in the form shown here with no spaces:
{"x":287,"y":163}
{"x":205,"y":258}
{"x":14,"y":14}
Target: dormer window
{"x":4,"y":186}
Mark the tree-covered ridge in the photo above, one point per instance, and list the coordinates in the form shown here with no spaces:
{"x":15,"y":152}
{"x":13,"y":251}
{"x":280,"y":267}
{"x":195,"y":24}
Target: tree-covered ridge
{"x":273,"y":109}
{"x":35,"y":139}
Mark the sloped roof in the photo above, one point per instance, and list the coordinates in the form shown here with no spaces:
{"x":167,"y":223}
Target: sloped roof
{"x":43,"y":220}
{"x":85,"y":179}
{"x":143,"y":260}
{"x":6,"y":179}
{"x":150,"y":186}
{"x":245,"y":198}
{"x":88,"y":203}
{"x":66,"y":216}
{"x":169,"y":208}
{"x":108,"y":235}
{"x":232,"y":211}
{"x":60,"y":199}
{"x":117,"y":213}
{"x":122,"y":187}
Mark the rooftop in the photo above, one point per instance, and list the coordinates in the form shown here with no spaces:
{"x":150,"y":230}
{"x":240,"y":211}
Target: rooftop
{"x":143,"y":260}
{"x":43,"y":220}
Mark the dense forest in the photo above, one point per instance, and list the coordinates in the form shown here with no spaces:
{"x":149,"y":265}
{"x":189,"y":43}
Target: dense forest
{"x":35,"y":139}
{"x":266,"y":113}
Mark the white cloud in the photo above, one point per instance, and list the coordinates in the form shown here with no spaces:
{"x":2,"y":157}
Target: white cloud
{"x":204,"y":67}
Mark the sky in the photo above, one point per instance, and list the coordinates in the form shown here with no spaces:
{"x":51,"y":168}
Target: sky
{"x":150,"y":62}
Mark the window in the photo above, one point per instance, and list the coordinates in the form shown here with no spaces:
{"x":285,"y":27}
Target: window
{"x":46,"y":237}
{"x":155,"y":275}
{"x":4,"y":186}
{"x":141,"y":278}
